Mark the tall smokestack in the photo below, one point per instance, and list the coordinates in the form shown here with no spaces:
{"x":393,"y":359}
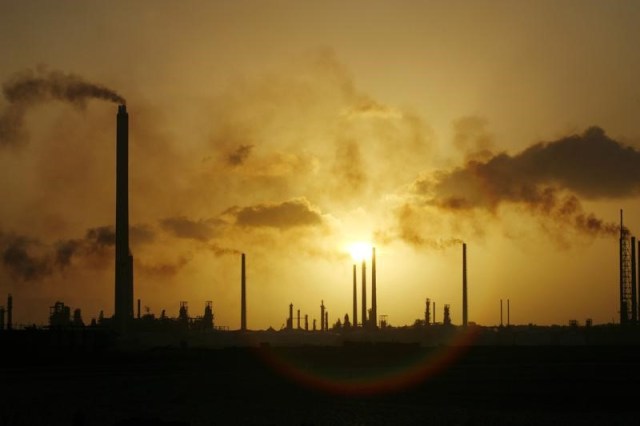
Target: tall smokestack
{"x":464,"y":285}
{"x":355,"y":297}
{"x":634,"y":294}
{"x":321,"y":316}
{"x":124,"y":260}
{"x":138,"y":316}
{"x":243,"y":296}
{"x":364,"y":293}
{"x":10,"y":312}
{"x":374,"y":303}
{"x":290,"y":320}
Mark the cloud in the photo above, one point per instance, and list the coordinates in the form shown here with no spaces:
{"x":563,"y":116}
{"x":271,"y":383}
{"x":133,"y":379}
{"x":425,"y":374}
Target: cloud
{"x":297,"y":212}
{"x":23,"y":258}
{"x":548,"y":179}
{"x":182,"y":227}
{"x":239,"y":155}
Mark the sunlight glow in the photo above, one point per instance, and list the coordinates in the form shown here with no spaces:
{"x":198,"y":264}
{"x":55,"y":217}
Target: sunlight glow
{"x":360,"y":251}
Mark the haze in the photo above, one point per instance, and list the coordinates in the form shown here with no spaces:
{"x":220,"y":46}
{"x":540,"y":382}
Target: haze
{"x":291,"y":130}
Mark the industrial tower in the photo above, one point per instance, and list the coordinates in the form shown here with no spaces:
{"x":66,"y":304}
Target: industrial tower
{"x":628,"y":294}
{"x":124,"y":260}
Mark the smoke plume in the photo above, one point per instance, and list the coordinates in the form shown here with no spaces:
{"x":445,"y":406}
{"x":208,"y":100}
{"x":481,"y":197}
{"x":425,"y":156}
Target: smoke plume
{"x":27,"y":88}
{"x":239,"y":155}
{"x":548,"y":179}
{"x":288,"y":214}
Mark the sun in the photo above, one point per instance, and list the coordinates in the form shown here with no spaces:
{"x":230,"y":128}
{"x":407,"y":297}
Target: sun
{"x":360,"y":251}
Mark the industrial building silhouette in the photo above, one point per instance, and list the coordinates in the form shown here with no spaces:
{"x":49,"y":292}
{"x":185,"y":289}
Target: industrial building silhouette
{"x":365,"y":323}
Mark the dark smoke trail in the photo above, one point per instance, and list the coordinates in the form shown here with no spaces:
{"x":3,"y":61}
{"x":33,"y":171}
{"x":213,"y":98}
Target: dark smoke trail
{"x":29,"y":87}
{"x":21,"y":262}
{"x":546,"y":178}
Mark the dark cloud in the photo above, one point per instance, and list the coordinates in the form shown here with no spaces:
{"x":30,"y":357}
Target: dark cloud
{"x":546,"y":178}
{"x":182,"y":227}
{"x":29,"y":259}
{"x":141,"y":234}
{"x":223,"y":251}
{"x":239,"y":155}
{"x":30,"y":87}
{"x":99,"y":238}
{"x":162,"y":268}
{"x":288,"y":214}
{"x":21,"y":257}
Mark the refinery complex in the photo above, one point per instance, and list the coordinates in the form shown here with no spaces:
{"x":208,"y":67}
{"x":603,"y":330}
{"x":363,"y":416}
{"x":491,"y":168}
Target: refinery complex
{"x":363,"y":323}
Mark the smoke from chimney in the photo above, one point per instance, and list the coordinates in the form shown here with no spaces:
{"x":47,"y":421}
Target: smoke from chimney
{"x":27,"y":88}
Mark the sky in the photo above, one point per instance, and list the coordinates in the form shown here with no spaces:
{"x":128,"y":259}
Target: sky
{"x":290,"y":130}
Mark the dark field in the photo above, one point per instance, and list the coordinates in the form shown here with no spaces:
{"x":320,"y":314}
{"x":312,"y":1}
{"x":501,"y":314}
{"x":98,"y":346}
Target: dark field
{"x":484,"y":385}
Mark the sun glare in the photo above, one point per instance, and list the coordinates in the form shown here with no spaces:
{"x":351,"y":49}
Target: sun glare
{"x":360,"y":251}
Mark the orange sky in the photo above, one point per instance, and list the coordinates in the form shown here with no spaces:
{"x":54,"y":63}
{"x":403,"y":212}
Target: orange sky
{"x":288,"y":130}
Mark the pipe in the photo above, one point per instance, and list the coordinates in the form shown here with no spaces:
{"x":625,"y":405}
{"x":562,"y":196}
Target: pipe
{"x":123,"y":311}
{"x":243,"y":295}
{"x":374,"y":303}
{"x":634,"y":294}
{"x":355,"y":298}
{"x":464,"y":285}
{"x":10,"y":312}
{"x":364,"y":293}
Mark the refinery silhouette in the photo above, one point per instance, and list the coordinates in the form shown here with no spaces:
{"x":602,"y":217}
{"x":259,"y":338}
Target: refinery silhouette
{"x":136,"y":368}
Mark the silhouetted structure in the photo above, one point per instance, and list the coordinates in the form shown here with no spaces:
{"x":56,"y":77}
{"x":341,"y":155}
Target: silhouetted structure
{"x":447,"y":318}
{"x":206,"y":322}
{"x":10,"y":312}
{"x":355,"y":297}
{"x":183,"y":314}
{"x":464,"y":285}
{"x":364,"y":293}
{"x":59,"y":316}
{"x":77,"y":318}
{"x":628,"y":309}
{"x":321,"y":316}
{"x":290,"y":319}
{"x":243,"y":296}
{"x":427,"y":312}
{"x":123,"y":312}
{"x":374,"y":302}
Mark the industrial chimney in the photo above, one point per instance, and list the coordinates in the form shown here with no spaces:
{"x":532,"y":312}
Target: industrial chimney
{"x":355,"y":298}
{"x":124,"y":260}
{"x":243,"y":296}
{"x":10,"y":312}
{"x":464,"y":285}
{"x":374,"y":303}
{"x":364,"y":293}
